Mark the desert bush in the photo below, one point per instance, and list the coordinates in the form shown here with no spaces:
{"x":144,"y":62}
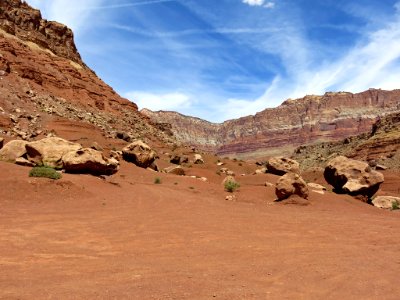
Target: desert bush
{"x":157,"y":180}
{"x":44,"y":171}
{"x":231,"y":186}
{"x":395,"y":205}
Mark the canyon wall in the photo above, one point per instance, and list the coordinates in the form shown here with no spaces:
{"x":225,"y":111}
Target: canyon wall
{"x":279,"y":130}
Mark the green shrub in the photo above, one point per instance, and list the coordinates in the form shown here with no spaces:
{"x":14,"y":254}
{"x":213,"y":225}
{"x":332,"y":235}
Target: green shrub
{"x":44,"y":171}
{"x":395,"y":205}
{"x":231,"y":186}
{"x":157,"y":180}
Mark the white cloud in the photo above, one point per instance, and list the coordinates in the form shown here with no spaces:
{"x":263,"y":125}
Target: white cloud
{"x":259,"y":3}
{"x":168,"y":101}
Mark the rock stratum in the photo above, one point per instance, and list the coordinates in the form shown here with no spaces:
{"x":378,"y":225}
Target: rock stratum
{"x":312,"y":119}
{"x":44,"y":80}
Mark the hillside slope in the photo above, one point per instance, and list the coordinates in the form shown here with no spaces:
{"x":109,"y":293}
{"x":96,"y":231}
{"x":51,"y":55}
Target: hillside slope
{"x":43,"y":78}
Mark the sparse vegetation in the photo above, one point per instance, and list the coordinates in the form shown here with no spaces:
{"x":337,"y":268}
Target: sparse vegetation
{"x":45,"y":172}
{"x":157,"y":180}
{"x":191,"y":187}
{"x":395,"y":205}
{"x":231,"y":186}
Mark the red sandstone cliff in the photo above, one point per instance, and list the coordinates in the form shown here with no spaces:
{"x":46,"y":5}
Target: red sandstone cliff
{"x":311,"y":119}
{"x":42,"y":71}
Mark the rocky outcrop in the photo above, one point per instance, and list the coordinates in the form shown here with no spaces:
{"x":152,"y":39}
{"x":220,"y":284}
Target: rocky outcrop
{"x":330,"y":117}
{"x":291,"y":184}
{"x":13,"y":150}
{"x":352,"y":177}
{"x":139,"y":153}
{"x":89,"y":161}
{"x":19,"y":19}
{"x":1,"y":143}
{"x":50,"y":151}
{"x":282,"y":165}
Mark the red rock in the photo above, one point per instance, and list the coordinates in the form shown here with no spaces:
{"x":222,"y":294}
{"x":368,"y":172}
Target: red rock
{"x":330,"y":117}
{"x":352,"y":176}
{"x":291,"y":184}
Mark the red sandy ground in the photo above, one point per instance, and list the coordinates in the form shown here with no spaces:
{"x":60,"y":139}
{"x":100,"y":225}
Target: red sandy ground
{"x":127,"y":238}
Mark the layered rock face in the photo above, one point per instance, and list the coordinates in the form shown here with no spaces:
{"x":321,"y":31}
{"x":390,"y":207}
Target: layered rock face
{"x":19,"y":19}
{"x":42,"y":74}
{"x":311,"y":119}
{"x":381,"y":145}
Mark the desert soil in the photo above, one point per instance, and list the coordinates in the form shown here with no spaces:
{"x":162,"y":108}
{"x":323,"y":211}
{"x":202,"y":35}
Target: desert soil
{"x":124,"y":237}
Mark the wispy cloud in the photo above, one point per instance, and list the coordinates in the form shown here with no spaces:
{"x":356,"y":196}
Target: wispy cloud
{"x":263,"y":3}
{"x":167,"y":101}
{"x":373,"y":63}
{"x":188,"y":32}
{"x":125,"y":5}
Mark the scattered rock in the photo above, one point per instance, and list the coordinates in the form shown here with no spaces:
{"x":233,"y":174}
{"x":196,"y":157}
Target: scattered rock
{"x":12,"y":150}
{"x":154,"y":167}
{"x":261,"y":171}
{"x":49,"y":151}
{"x":204,"y":179}
{"x":386,"y":202}
{"x":352,"y":177}
{"x":116,"y":155}
{"x":268,"y":184}
{"x":198,"y":159}
{"x":89,"y":161}
{"x":381,"y":167}
{"x":230,"y":198}
{"x":282,"y":165}
{"x":291,"y":184}
{"x":97,"y":147}
{"x":123,"y":136}
{"x":139,"y":153}
{"x":315,"y":187}
{"x":21,"y":161}
{"x":14,"y":119}
{"x":178,"y":160}
{"x":220,"y":163}
{"x":177,"y":170}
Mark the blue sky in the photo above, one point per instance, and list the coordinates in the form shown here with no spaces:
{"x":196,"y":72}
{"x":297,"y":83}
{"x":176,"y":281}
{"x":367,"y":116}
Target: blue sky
{"x":223,"y":59}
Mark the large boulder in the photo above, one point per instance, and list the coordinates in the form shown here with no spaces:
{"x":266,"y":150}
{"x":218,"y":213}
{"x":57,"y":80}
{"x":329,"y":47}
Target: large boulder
{"x":291,"y":184}
{"x":139,"y":153}
{"x":352,"y":177}
{"x":1,"y":142}
{"x":89,"y":161}
{"x":282,"y":165}
{"x":49,"y":151}
{"x":13,"y":150}
{"x":386,"y":202}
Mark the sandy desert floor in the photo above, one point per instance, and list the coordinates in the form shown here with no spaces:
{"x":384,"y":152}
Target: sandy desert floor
{"x":125,"y":237}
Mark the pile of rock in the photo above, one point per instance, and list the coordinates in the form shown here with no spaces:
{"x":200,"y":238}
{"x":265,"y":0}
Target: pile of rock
{"x":60,"y":154}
